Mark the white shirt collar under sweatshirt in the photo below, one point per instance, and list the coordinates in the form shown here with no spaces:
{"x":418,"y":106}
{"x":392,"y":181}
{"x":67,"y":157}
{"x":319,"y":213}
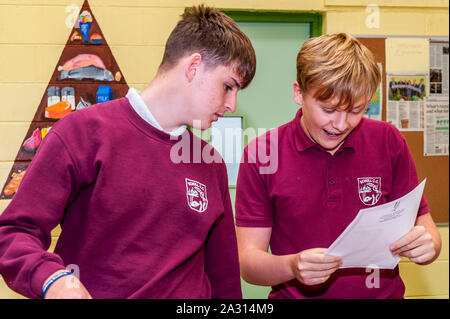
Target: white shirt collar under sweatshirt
{"x":141,"y":108}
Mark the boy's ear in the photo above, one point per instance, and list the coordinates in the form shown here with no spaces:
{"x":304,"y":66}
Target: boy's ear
{"x":192,"y":65}
{"x":298,"y":96}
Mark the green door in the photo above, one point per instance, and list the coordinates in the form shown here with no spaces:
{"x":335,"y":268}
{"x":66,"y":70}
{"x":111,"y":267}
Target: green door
{"x":268,"y":102}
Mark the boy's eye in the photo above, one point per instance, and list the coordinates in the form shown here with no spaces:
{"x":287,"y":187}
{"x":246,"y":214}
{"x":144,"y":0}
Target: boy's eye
{"x":227,"y":87}
{"x":328,"y":110}
{"x":358,"y":110}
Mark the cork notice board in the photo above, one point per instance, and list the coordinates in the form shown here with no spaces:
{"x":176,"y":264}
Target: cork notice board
{"x":434,"y":168}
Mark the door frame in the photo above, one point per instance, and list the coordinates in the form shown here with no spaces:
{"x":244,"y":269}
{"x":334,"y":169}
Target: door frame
{"x":314,"y":19}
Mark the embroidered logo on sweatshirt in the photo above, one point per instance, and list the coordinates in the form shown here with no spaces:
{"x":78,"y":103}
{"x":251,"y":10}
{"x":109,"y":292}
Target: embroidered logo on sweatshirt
{"x":369,"y":189}
{"x":196,"y":195}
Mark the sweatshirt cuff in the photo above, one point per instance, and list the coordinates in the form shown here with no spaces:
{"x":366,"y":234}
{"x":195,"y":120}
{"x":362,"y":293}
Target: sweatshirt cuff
{"x":41,"y":273}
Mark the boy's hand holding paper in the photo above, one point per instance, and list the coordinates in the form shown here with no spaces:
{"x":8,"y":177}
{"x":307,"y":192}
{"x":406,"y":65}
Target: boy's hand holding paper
{"x":368,"y":240}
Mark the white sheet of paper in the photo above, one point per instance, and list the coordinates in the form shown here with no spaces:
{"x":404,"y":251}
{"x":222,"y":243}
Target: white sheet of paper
{"x":365,"y":242}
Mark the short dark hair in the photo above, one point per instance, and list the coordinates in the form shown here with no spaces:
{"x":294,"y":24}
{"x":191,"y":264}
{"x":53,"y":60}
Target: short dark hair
{"x":216,"y":37}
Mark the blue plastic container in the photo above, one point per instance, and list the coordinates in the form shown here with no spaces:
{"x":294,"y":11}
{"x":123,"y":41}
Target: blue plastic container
{"x":104,"y":94}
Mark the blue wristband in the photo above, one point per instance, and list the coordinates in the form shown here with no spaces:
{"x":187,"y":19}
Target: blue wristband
{"x":52,"y":280}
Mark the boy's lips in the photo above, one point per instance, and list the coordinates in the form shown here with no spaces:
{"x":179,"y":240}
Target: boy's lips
{"x":333,"y":134}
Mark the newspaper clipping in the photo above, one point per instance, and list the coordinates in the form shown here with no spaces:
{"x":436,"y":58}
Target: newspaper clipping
{"x":405,"y":100}
{"x":438,"y":70}
{"x":436,"y":136}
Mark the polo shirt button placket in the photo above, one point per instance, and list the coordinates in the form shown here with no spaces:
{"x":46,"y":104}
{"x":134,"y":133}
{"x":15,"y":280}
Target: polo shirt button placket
{"x":333,"y":193}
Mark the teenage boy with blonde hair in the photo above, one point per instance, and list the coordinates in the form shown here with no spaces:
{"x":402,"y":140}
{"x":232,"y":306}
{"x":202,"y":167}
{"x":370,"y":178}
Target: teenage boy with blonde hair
{"x":135,"y":224}
{"x":306,"y":204}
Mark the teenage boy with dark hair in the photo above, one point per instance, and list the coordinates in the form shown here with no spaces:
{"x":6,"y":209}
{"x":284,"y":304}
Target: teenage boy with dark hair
{"x":134,"y":223}
{"x":308,"y":202}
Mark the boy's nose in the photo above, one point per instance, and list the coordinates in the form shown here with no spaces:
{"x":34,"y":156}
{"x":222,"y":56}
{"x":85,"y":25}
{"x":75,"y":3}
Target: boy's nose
{"x":340,"y":121}
{"x":230,"y":104}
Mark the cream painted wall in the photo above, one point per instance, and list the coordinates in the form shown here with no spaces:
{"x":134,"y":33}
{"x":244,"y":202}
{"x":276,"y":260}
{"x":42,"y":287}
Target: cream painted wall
{"x":33,"y":33}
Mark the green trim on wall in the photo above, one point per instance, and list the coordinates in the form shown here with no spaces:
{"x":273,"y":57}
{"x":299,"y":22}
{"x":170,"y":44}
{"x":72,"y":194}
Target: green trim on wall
{"x":314,"y":19}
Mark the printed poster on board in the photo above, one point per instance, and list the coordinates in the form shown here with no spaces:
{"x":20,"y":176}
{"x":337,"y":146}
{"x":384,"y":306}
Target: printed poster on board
{"x":405,"y":96}
{"x":435,"y":136}
{"x":439,"y":70}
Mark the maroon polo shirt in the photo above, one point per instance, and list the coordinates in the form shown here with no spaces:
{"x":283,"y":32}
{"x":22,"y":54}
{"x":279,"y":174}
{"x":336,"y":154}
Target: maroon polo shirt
{"x":312,"y":196}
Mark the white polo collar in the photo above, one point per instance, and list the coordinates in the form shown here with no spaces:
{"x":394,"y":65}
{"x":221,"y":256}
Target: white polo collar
{"x":141,"y":108}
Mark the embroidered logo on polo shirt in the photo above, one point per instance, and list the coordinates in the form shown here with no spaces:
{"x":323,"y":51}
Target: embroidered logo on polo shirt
{"x":369,"y":189}
{"x":196,"y":195}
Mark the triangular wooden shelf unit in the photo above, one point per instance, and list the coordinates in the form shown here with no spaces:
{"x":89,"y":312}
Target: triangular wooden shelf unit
{"x":74,"y":61}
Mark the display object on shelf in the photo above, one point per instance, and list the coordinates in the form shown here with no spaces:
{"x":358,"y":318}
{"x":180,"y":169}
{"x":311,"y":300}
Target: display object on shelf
{"x":85,"y":24}
{"x":87,"y":72}
{"x":32,"y":143}
{"x":82,"y":104}
{"x":104,"y":94}
{"x":13,"y":185}
{"x":53,"y":95}
{"x":96,"y":38}
{"x":68,"y":95}
{"x":58,"y":110}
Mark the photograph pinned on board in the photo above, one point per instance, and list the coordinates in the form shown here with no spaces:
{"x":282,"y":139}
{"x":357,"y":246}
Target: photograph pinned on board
{"x":407,"y":88}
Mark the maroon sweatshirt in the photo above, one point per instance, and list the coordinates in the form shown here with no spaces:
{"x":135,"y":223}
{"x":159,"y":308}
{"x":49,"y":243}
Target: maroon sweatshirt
{"x":136,"y":222}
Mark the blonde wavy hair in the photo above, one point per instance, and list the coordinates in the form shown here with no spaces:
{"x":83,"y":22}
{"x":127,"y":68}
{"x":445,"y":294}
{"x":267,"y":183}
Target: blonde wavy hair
{"x":337,"y":65}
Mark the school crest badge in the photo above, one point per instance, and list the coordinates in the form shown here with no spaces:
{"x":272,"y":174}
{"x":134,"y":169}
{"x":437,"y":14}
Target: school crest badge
{"x":196,"y":195}
{"x":369,"y":189}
